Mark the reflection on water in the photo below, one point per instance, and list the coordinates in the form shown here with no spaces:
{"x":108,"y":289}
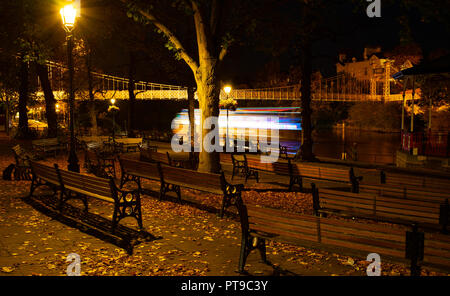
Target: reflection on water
{"x":372,"y":147}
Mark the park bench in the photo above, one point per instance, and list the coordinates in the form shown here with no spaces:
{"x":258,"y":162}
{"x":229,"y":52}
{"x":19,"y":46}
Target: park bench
{"x":73,"y":185}
{"x":321,"y":173}
{"x":350,"y":238}
{"x":133,"y":170}
{"x":146,"y":144}
{"x":415,"y":181}
{"x":240,"y":166}
{"x":173,"y":178}
{"x":129,"y":144}
{"x":282,"y":168}
{"x":44,"y":146}
{"x":428,"y":214}
{"x":101,"y":165}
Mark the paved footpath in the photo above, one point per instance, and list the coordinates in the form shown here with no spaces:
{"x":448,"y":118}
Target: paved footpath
{"x":187,"y":238}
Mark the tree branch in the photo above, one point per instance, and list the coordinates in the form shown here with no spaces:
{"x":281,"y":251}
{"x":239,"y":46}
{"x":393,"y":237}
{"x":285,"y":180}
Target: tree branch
{"x":223,"y":53}
{"x":172,"y":38}
{"x":202,"y":31}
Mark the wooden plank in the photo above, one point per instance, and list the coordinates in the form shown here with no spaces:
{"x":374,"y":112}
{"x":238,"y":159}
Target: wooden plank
{"x":277,"y":212}
{"x":364,"y":247}
{"x":329,"y":192}
{"x":261,"y":216}
{"x":363,"y":226}
{"x":397,"y":237}
{"x":348,"y":199}
{"x":436,"y":261}
{"x":278,"y":225}
{"x":91,"y":194}
{"x":296,"y":235}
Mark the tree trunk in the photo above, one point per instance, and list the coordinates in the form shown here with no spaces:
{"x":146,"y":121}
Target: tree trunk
{"x":92,"y":111}
{"x":50,"y":101}
{"x":132,"y":97}
{"x":23,"y":131}
{"x":208,"y":95}
{"x":306,"y":68}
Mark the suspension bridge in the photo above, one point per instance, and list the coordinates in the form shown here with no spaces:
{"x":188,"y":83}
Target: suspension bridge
{"x":340,"y":88}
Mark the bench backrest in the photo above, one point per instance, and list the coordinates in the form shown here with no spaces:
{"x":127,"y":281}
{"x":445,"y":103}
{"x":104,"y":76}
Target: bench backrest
{"x":45,"y":172}
{"x":210,"y":181}
{"x":18,"y":150}
{"x":88,"y":185}
{"x":438,"y":184}
{"x":237,"y":157}
{"x":320,"y":172}
{"x":405,"y":192}
{"x":130,"y":140}
{"x":49,"y":141}
{"x":20,"y":155}
{"x":140,"y":168}
{"x":373,"y":205}
{"x":278,"y":167}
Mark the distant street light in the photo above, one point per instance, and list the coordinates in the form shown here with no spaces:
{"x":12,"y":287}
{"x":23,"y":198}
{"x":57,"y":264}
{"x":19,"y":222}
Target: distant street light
{"x":227,"y":90}
{"x":68,"y":15}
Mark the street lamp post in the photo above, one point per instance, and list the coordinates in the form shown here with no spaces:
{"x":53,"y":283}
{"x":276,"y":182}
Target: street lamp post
{"x":68,"y":14}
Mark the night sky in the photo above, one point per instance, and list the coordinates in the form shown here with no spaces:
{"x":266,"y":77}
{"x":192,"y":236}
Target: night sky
{"x":350,"y":30}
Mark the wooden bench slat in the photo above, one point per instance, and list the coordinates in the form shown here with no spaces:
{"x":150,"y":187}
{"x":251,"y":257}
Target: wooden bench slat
{"x":370,"y":227}
{"x":275,"y":212}
{"x":363,"y":247}
{"x":279,"y":226}
{"x":345,"y":199}
{"x":268,"y":219}
{"x":91,"y":193}
{"x":389,"y":209}
{"x":363,"y":233}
